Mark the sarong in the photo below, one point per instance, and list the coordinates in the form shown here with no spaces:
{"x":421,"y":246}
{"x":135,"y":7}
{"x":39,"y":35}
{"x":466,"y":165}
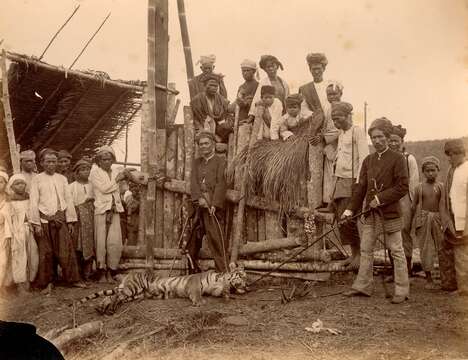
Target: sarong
{"x":430,"y":238}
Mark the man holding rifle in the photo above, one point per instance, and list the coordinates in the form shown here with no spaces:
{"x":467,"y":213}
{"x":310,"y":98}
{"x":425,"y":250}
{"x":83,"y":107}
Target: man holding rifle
{"x":383,"y":181}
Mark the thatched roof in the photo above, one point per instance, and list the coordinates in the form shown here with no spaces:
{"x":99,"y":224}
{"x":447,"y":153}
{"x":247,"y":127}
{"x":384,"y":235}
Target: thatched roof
{"x":72,"y":110}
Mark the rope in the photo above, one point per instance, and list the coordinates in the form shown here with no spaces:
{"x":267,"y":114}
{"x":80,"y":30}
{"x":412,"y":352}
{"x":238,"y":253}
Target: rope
{"x":300,"y":251}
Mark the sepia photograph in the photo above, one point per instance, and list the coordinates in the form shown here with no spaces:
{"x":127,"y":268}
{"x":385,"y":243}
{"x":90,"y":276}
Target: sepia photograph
{"x":218,"y":179}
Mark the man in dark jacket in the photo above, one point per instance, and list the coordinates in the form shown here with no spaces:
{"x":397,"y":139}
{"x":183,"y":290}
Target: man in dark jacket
{"x":383,"y":181}
{"x":208,"y":192}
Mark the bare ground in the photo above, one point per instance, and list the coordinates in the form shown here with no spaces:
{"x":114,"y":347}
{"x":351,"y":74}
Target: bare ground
{"x":431,"y":325}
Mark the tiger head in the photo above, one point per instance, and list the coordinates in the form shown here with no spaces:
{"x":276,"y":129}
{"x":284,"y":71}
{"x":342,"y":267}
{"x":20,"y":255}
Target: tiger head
{"x":237,"y":276}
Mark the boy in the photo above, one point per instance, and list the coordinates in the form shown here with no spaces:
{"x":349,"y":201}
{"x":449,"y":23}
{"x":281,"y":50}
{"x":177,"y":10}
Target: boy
{"x":271,"y":119}
{"x":428,"y":205}
{"x":83,"y":199}
{"x":24,"y":253}
{"x":292,"y":121}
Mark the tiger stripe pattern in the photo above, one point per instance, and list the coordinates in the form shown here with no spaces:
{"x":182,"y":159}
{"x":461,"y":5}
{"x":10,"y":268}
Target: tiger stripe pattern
{"x":149,"y":285}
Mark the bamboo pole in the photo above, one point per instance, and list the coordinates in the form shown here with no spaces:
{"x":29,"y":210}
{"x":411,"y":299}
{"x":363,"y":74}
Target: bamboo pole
{"x":144,"y":167}
{"x":8,"y":118}
{"x":185,"y":41}
{"x":239,"y":222}
{"x":171,"y":155}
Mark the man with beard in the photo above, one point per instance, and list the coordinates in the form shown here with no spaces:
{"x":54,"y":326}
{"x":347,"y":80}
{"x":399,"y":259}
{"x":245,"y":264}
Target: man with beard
{"x":383,"y":181}
{"x":208,"y":192}
{"x":210,"y":111}
{"x":198,"y":83}
{"x":317,"y":106}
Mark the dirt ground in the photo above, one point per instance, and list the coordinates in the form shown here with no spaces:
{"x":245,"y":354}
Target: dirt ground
{"x":431,"y":325}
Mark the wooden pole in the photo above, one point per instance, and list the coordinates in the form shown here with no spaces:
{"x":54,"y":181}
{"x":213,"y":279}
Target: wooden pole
{"x":144,"y":137}
{"x":185,"y":41}
{"x":58,"y":32}
{"x":8,"y":118}
{"x":238,"y":224}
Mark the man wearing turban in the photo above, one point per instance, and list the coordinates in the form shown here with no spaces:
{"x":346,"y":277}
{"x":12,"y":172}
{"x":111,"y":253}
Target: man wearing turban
{"x":383,"y":181}
{"x":352,"y":149}
{"x":247,"y":90}
{"x":107,"y":207}
{"x":396,"y":144}
{"x":454,"y":258}
{"x":317,"y":108}
{"x":270,"y":65}
{"x":197,"y":84}
{"x":208,"y":192}
{"x":64,"y":163}
{"x":28,"y":166}
{"x":210,"y":110}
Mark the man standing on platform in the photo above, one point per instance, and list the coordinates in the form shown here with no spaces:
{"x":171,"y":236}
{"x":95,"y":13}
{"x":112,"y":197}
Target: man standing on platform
{"x":246,"y":91}
{"x":208,"y":192}
{"x":351,"y":151}
{"x":210,"y":111}
{"x":28,"y":167}
{"x":383,"y":181}
{"x":197,"y":84}
{"x":317,"y":106}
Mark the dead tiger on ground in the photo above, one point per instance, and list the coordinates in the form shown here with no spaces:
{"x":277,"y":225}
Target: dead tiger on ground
{"x":147,"y":284}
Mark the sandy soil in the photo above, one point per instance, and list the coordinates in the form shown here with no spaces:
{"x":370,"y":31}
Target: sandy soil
{"x":431,"y":325}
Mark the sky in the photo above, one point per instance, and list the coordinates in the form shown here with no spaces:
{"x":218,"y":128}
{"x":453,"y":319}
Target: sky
{"x":407,"y":59}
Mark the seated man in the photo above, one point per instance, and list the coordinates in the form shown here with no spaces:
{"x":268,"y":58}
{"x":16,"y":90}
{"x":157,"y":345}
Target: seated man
{"x":210,"y":111}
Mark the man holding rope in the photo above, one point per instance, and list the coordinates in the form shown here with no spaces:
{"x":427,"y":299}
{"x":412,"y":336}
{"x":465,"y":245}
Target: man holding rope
{"x":383,"y":181}
{"x":208,"y":192}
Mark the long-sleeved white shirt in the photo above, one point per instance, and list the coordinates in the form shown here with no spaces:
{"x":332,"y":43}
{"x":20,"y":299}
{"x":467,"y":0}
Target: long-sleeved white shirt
{"x":272,"y":132}
{"x":458,"y":196}
{"x":81,"y":192}
{"x":413,"y":174}
{"x":106,"y":190}
{"x":49,"y":194}
{"x":345,"y":155}
{"x":257,"y":97}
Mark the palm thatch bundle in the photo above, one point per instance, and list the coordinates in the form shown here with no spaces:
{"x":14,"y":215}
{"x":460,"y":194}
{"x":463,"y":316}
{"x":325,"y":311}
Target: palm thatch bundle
{"x":277,"y":169}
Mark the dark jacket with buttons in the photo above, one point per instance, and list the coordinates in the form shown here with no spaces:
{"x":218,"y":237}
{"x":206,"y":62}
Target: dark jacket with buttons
{"x":209,"y":176}
{"x":384,"y":176}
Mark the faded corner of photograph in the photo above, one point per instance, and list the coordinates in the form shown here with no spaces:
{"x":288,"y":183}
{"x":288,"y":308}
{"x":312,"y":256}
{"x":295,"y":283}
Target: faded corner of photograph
{"x":210,"y":179}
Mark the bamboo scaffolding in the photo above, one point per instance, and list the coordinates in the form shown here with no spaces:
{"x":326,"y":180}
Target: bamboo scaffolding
{"x":8,"y":118}
{"x":185,"y":41}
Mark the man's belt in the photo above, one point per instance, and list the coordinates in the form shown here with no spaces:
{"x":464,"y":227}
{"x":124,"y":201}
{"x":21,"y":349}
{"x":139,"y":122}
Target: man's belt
{"x":58,"y":219}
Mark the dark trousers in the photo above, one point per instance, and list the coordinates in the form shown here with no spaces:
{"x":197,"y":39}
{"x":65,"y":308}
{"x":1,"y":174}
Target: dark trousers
{"x":56,"y":246}
{"x":219,"y":249}
{"x":349,"y":233}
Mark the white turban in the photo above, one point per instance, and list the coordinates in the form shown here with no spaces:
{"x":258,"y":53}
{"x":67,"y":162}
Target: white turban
{"x":335,"y":85}
{"x":207,"y":60}
{"x":250,"y":64}
{"x":105,"y":149}
{"x":14,"y":178}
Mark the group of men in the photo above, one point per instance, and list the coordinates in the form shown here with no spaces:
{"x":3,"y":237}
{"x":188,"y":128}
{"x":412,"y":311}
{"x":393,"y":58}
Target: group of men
{"x":383,"y":188}
{"x":63,"y":215}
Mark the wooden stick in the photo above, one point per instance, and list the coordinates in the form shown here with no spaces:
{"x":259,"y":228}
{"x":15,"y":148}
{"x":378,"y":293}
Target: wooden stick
{"x":80,"y":332}
{"x":185,"y":41}
{"x":58,"y":32}
{"x":89,"y":41}
{"x":144,"y":168}
{"x":8,"y":118}
{"x":180,"y":168}
{"x":238,"y":224}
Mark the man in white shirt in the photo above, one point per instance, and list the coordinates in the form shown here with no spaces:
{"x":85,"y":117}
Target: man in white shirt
{"x":52,"y":217}
{"x":107,"y":206}
{"x":453,"y":259}
{"x":352,"y":149}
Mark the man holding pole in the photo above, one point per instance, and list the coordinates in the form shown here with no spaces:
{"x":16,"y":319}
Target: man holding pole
{"x":208,"y":192}
{"x":383,"y":181}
